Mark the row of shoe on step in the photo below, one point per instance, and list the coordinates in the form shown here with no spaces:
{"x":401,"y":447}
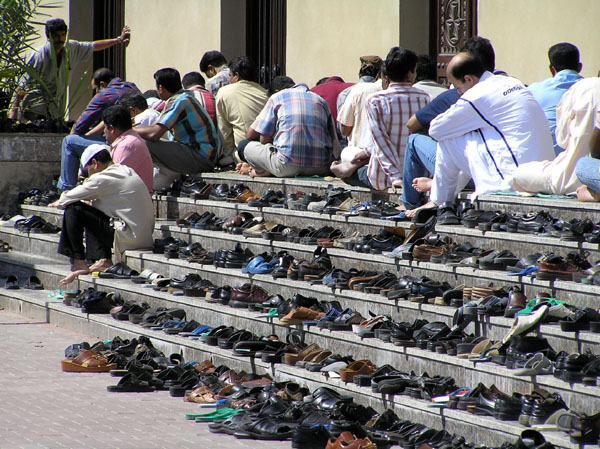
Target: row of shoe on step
{"x":540,"y":223}
{"x":251,"y":406}
{"x":35,"y":197}
{"x":33,"y":223}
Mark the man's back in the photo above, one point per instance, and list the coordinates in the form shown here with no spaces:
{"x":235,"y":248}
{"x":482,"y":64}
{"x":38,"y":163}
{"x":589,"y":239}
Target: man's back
{"x":206,"y":99}
{"x":130,"y":149}
{"x":238,"y":105}
{"x":549,"y":92}
{"x":353,"y":112}
{"x":190,"y":123}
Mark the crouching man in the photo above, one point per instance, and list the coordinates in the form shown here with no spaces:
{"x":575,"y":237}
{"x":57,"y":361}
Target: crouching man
{"x":112,"y":207}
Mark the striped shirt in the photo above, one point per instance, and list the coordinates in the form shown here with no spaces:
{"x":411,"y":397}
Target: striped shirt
{"x":388,"y":112}
{"x":220,"y":79}
{"x":206,"y":99}
{"x":102,"y":100}
{"x":190,"y":124}
{"x":302,"y":127}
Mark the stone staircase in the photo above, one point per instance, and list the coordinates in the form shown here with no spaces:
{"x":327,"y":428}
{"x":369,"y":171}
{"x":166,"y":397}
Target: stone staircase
{"x":36,"y":253}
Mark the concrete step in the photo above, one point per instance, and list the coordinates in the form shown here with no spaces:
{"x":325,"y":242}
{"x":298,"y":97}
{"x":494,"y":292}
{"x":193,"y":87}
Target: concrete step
{"x":484,"y":430}
{"x":463,"y":371}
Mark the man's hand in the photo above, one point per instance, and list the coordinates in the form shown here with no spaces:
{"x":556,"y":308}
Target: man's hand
{"x":125,"y":35}
{"x":360,"y":156}
{"x":54,"y":204}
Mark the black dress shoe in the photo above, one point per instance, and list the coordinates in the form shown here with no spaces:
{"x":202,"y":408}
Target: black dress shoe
{"x":219,"y":193}
{"x":187,"y":282}
{"x":195,"y":188}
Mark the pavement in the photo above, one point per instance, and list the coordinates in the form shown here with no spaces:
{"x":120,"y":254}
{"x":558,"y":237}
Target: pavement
{"x":44,"y":407}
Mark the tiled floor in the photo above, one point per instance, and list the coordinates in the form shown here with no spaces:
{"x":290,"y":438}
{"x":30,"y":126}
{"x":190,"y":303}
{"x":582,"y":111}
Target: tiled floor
{"x":43,"y":407}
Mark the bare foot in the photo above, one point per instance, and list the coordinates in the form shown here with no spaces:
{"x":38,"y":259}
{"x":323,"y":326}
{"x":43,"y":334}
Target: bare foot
{"x":422,"y":184}
{"x":343,"y":169}
{"x":256,"y":174}
{"x":101,"y":265}
{"x":586,"y":195}
{"x":243,"y":168}
{"x":412,"y":212}
{"x":78,"y":268}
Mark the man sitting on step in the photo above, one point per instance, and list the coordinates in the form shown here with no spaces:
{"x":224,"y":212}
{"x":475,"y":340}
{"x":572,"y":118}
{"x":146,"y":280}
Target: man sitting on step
{"x":296,"y":132}
{"x":112,"y":208}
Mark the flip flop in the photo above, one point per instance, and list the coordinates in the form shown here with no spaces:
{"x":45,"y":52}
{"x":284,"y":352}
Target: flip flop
{"x":130,"y":383}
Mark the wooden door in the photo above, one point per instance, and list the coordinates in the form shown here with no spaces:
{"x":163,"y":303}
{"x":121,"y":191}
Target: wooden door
{"x":455,"y":22}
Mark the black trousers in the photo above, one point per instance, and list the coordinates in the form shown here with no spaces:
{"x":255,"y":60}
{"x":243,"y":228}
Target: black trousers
{"x":80,"y":218}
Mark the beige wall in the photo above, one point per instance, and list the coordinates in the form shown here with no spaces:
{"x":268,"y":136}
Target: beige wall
{"x":521,"y":32}
{"x":173,"y":33}
{"x":326,"y":37}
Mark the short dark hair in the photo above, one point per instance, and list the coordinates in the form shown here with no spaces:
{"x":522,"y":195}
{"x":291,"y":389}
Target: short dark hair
{"x":117,"y":116}
{"x":55,"y":25}
{"x":169,"y":79}
{"x":244,"y":67}
{"x":102,"y":157}
{"x":370,"y":66}
{"x":150,"y":93}
{"x":564,"y":56}
{"x":214,"y":58}
{"x":322,"y":80}
{"x":399,"y":62}
{"x":193,"y":79}
{"x":482,"y":48}
{"x":280,"y":83}
{"x":426,"y":68}
{"x":103,"y":75}
{"x":470,"y":64}
{"x":133,"y":100}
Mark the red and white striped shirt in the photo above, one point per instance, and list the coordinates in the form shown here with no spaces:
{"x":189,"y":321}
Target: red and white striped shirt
{"x":388,"y":112}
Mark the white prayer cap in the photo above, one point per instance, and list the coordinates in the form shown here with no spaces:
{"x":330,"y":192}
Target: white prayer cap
{"x":91,"y":151}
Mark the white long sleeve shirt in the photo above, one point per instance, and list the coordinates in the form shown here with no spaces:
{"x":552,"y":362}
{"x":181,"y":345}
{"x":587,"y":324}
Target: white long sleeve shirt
{"x":120,"y":193}
{"x":502,"y":126}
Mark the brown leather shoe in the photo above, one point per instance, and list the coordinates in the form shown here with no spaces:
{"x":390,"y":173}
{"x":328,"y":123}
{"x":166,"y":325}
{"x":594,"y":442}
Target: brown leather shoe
{"x":291,"y":358}
{"x":297,"y":316}
{"x":247,"y":294}
{"x":244,"y":197}
{"x":348,"y":441}
{"x":358,"y":367}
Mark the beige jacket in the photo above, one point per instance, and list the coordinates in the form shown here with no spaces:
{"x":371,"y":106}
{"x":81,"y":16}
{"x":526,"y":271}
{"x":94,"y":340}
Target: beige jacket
{"x":121,"y":194}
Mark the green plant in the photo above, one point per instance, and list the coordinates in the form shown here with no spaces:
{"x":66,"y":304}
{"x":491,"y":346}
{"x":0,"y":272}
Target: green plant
{"x":17,"y":35}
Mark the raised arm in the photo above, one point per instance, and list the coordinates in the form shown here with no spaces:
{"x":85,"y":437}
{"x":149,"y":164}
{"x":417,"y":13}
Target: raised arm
{"x":107,"y":43}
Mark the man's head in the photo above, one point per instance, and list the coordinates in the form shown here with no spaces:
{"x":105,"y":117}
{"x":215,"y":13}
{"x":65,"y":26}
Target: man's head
{"x":400,"y":65}
{"x":564,"y":56}
{"x":192,"y":79}
{"x":280,"y":83}
{"x":56,"y":32}
{"x":117,"y":120}
{"x":95,"y":158}
{"x":242,"y":68}
{"x":464,"y":71}
{"x":168,"y":82}
{"x":370,"y":66}
{"x":482,"y":48}
{"x":211,"y":62}
{"x":101,"y":78}
{"x":426,"y":68}
{"x":135,"y":103}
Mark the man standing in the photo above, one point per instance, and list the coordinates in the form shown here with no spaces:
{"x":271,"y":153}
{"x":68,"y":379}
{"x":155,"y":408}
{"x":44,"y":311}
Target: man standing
{"x":214,"y":66}
{"x":88,"y":127}
{"x":195,"y":141}
{"x":238,"y":105}
{"x":296,"y":132}
{"x":565,"y":68}
{"x":37,"y":101}
{"x":494,"y":127}
{"x":121,"y":214}
{"x":126,"y":146}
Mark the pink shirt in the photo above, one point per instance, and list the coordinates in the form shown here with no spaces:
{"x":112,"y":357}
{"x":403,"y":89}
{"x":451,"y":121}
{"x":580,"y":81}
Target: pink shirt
{"x":130,"y":149}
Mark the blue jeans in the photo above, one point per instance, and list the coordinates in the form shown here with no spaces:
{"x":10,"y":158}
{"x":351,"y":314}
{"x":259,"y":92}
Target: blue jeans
{"x":588,"y":172}
{"x":419,"y":159}
{"x":73,"y":147}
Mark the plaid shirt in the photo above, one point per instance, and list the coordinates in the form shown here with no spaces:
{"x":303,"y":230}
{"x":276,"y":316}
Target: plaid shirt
{"x":102,"y":100}
{"x":388,"y":112}
{"x":302,"y":127}
{"x":219,"y":80}
{"x":190,"y":124}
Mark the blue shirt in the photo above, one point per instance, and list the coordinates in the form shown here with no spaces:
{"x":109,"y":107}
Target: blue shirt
{"x":301,"y":126}
{"x":190,"y":124}
{"x":549,"y":92}
{"x":439,"y":104}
